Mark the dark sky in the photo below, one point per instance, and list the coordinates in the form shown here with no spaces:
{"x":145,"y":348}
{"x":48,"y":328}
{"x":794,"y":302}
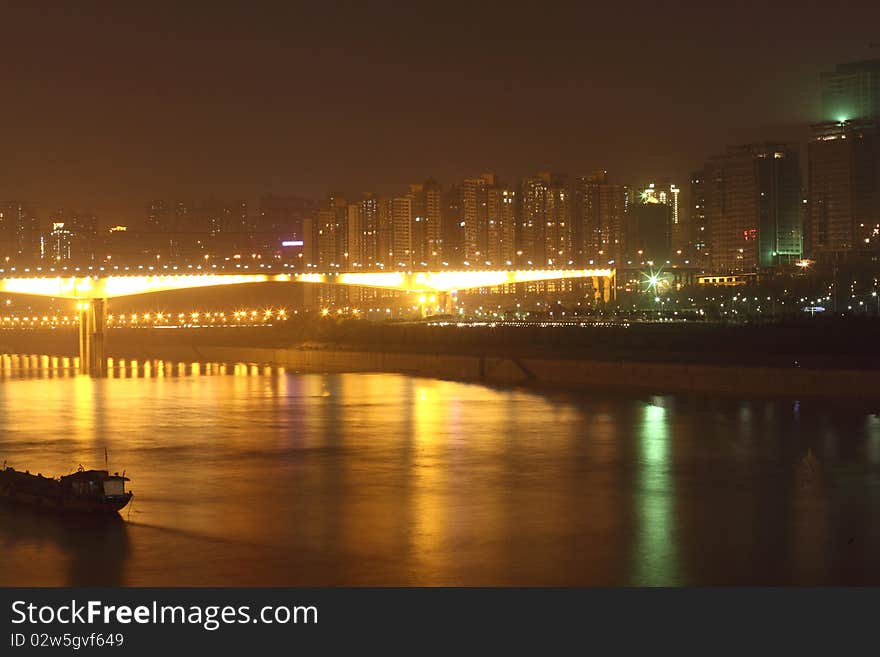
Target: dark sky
{"x":106,"y":105}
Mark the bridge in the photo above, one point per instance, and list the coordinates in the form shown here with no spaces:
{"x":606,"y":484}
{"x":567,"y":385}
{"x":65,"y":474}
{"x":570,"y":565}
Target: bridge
{"x":92,"y":293}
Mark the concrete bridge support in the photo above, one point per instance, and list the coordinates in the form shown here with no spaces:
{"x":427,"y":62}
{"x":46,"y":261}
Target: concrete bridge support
{"x":92,"y":330}
{"x":604,"y":289}
{"x":447,"y":301}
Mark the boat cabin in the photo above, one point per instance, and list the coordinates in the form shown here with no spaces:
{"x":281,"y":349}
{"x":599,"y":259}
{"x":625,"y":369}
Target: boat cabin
{"x":95,"y":483}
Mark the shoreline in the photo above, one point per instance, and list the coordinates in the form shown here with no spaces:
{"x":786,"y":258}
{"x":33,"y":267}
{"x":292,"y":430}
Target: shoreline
{"x":504,"y":365}
{"x":538,"y":372}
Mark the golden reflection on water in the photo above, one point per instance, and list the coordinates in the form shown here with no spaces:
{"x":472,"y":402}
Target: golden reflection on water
{"x":429,"y":513}
{"x":30,"y":366}
{"x":254,"y":475}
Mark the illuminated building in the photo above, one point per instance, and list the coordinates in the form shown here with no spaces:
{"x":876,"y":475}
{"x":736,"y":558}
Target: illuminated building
{"x":601,"y":208}
{"x":753,"y":207}
{"x":368,"y":218}
{"x":433,"y":224}
{"x":451,"y":226}
{"x":427,"y":203}
{"x":667,"y":194}
{"x":501,"y":226}
{"x":649,"y":229}
{"x":325,"y":239}
{"x":475,"y":219}
{"x":699,"y":236}
{"x":851,"y":91}
{"x":533,"y":218}
{"x":547,"y":234}
{"x":19,"y":230}
{"x":57,"y":246}
{"x":419,"y":225}
{"x":386,"y":232}
{"x":354,"y":255}
{"x":331,"y":236}
{"x":843,"y":190}
{"x":401,"y":231}
{"x":558,"y":233}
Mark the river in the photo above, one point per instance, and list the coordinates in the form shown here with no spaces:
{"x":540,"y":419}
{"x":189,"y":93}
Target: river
{"x":247,"y":475}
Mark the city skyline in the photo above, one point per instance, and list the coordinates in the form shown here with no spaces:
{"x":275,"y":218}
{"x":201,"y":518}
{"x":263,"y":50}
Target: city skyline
{"x":270,"y":106}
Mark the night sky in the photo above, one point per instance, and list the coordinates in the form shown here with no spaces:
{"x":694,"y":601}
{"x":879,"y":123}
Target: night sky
{"x":105,"y":106}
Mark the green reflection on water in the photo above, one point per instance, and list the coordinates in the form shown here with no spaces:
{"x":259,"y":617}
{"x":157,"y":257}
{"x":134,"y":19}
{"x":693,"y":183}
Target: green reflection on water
{"x":655,"y":554}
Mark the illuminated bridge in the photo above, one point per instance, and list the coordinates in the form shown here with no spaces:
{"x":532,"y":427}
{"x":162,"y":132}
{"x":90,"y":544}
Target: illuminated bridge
{"x":93,"y":292}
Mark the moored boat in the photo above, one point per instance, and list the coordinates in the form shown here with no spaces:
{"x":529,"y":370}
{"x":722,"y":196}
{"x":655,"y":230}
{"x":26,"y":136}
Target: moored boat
{"x":84,"y":491}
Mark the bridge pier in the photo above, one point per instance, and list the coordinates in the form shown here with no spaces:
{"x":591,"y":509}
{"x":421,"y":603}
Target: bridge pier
{"x":447,"y":301}
{"x":92,"y":329}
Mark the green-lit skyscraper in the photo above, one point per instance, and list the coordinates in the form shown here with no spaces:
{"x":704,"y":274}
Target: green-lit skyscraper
{"x":843,"y":212}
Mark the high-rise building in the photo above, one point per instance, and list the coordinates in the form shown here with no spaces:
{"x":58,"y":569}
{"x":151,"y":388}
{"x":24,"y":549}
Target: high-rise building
{"x":532,"y":220}
{"x":432,"y":251}
{"x":558,"y":226}
{"x":427,"y":204}
{"x":386,"y":233}
{"x":475,"y":209}
{"x":57,"y":245}
{"x":699,"y":236}
{"x":331,"y":234}
{"x":667,"y":194}
{"x":851,"y":91}
{"x":325,"y":238}
{"x":354,"y":255}
{"x":19,"y":231}
{"x":401,"y":231}
{"x":753,"y":207}
{"x":369,"y":222}
{"x":601,"y":208}
{"x":452,"y":228}
{"x":419,"y":225}
{"x":501,"y":226}
{"x":843,"y":189}
{"x":648,"y":231}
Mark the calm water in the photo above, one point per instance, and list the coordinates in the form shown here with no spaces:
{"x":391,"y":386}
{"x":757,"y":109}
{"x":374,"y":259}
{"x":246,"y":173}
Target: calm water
{"x":245,"y":475}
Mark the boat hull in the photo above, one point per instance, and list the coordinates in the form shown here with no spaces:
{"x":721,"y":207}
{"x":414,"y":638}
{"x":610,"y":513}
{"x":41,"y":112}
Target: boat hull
{"x":63,"y":505}
{"x":51,"y":498}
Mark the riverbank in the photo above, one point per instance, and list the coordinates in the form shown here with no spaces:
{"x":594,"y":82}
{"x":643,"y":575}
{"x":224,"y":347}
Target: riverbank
{"x":551,"y":372}
{"x":529,"y":371}
{"x":478,"y":358}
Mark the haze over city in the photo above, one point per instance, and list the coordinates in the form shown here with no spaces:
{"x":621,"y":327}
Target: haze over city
{"x":109,"y":106}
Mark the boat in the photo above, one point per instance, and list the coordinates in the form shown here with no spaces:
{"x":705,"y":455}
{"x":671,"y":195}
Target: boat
{"x":84,"y":491}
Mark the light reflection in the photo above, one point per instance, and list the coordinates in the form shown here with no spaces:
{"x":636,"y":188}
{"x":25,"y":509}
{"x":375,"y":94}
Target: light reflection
{"x":430,"y":481}
{"x":30,"y":366}
{"x":656,"y":553}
